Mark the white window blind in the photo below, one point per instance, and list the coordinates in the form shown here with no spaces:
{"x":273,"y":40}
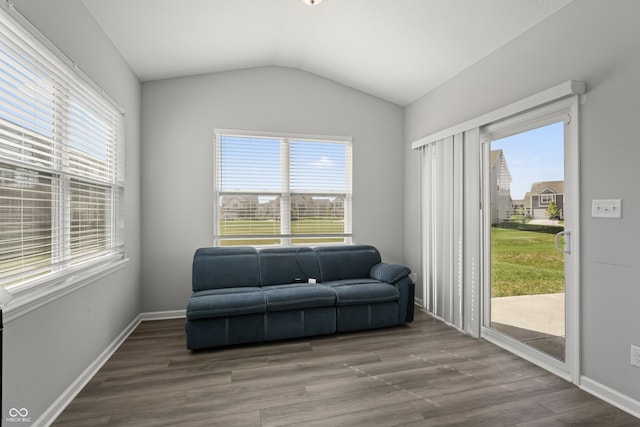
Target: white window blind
{"x":450,"y":218}
{"x":281,"y":190}
{"x":61,"y":163}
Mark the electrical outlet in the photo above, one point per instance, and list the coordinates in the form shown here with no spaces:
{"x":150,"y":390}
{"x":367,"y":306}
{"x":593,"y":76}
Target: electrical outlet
{"x":635,"y":356}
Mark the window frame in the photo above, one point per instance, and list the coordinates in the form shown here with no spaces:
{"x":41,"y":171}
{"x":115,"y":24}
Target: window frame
{"x":286,"y":194}
{"x":69,"y":275}
{"x":547,"y":198}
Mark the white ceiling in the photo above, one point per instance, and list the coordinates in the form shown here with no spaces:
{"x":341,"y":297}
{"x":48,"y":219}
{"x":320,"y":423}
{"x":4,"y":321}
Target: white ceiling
{"x":397,"y":50}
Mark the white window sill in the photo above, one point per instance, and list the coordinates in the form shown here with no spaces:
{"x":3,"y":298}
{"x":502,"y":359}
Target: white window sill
{"x":34,"y":297}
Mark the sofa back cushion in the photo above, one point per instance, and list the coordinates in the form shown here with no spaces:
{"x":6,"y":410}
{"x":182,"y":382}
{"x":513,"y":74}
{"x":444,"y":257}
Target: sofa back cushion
{"x":346,"y":262}
{"x":287,"y":265}
{"x":225,"y":267}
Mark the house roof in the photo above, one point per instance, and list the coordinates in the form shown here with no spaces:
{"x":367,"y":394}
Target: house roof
{"x":395,"y":50}
{"x":556,"y":187}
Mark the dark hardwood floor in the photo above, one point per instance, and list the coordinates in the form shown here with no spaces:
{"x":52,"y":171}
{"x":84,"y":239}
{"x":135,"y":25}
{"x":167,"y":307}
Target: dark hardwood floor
{"x":423,"y":374}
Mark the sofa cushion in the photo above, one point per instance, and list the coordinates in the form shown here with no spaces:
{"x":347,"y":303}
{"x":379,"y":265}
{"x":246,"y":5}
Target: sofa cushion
{"x":225,"y":267}
{"x":225,"y":302}
{"x":287,"y":265}
{"x":363,"y":292}
{"x":298,"y":296}
{"x":346,"y":261}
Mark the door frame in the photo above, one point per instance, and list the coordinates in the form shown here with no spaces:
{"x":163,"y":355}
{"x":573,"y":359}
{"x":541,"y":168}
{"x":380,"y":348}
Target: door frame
{"x":565,"y":110}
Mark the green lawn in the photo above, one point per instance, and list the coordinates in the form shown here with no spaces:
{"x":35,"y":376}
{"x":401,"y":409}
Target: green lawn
{"x":525,"y":262}
{"x":314,"y":225}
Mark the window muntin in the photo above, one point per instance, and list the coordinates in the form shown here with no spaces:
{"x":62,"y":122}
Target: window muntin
{"x":279,"y":190}
{"x":61,"y":164}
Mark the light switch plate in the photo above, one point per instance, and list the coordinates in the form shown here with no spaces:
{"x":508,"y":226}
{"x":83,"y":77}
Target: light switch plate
{"x":609,"y":208}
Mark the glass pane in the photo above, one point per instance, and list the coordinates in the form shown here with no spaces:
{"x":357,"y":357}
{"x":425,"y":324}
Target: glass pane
{"x":249,"y":215}
{"x":25,"y":221}
{"x":318,"y":166}
{"x":90,"y":143}
{"x":249,"y":164}
{"x":527,"y":271}
{"x":26,"y":91}
{"x":89,"y":218}
{"x":318,"y":215}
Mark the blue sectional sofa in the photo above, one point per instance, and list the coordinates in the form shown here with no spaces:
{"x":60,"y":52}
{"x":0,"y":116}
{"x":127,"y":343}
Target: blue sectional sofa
{"x":244,"y":294}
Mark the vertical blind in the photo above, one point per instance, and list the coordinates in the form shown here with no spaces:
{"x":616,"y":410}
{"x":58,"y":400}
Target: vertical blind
{"x":278,"y":190}
{"x":61,"y":162}
{"x":450,"y":224}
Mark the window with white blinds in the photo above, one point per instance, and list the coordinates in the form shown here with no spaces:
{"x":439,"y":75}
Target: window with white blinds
{"x":61,"y":164}
{"x":281,"y":190}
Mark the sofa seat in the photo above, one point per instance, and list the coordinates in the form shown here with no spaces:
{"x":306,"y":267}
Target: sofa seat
{"x":363,"y":291}
{"x":298,"y":296}
{"x":226,"y":302}
{"x":365,"y":304}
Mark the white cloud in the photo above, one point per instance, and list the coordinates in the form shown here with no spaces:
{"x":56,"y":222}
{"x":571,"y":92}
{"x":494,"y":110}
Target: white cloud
{"x":323,"y":162}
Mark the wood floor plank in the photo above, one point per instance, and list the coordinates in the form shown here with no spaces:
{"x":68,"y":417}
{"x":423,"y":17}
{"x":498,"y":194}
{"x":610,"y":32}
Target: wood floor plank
{"x":320,"y":409}
{"x":597,"y":414}
{"x":420,"y":374}
{"x":505,"y":414}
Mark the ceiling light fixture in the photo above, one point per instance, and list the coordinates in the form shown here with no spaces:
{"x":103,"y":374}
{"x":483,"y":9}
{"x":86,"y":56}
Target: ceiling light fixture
{"x":312,"y":2}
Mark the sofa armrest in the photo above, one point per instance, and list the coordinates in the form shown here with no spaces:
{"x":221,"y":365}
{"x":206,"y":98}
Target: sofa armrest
{"x":390,"y":273}
{"x":398,"y":275}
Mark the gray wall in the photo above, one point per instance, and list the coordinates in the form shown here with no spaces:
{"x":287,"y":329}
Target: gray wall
{"x":597,"y":42}
{"x":47,"y":349}
{"x":179,"y":116}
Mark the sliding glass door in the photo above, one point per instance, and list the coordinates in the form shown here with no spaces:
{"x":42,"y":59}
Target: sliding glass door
{"x":530,"y":235}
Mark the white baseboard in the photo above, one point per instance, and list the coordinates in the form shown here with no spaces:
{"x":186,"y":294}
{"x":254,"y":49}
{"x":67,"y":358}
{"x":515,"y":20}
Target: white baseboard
{"x":418,"y":302}
{"x":56,"y":408}
{"x":611,"y":396}
{"x":59,"y":405}
{"x":163,"y":315}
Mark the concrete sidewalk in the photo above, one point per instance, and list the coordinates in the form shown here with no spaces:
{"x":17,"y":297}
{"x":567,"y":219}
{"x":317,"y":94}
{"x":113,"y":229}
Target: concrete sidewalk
{"x":541,"y":313}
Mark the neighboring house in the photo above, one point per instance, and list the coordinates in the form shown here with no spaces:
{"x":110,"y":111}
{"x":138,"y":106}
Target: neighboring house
{"x":501,"y":208}
{"x":316,"y":206}
{"x":518,"y":207}
{"x":234,"y":207}
{"x":302,"y":206}
{"x":542,"y":193}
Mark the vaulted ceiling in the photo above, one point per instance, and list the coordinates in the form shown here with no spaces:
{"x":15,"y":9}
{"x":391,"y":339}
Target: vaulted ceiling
{"x":397,"y":50}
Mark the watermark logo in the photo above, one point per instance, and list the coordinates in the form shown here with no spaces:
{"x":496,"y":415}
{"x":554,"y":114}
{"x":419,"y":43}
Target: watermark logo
{"x":18,"y":415}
